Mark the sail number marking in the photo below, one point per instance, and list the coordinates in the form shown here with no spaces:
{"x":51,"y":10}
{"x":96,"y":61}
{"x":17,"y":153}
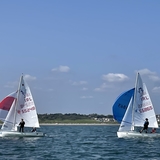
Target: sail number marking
{"x":28,"y":109}
{"x":145,"y":109}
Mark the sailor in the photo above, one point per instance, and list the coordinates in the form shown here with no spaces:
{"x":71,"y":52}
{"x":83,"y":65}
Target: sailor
{"x":153,"y":130}
{"x":145,"y":127}
{"x":21,"y":124}
{"x":33,"y":129}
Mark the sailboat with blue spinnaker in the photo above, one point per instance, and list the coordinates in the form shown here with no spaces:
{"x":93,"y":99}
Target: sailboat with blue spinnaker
{"x":138,"y":109}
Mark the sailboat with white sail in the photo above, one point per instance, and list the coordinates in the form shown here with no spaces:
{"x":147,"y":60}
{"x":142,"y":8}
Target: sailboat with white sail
{"x":20,"y":105}
{"x":139,"y":108}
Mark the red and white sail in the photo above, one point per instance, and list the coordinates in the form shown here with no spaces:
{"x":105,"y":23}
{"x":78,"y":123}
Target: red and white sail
{"x":22,"y":107}
{"x":6,"y":104}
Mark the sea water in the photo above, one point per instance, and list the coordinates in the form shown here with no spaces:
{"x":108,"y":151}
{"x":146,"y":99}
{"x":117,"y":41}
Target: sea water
{"x":80,"y":142}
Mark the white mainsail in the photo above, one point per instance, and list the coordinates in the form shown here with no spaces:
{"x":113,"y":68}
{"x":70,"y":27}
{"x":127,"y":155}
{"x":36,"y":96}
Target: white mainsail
{"x":22,"y":108}
{"x":143,"y":108}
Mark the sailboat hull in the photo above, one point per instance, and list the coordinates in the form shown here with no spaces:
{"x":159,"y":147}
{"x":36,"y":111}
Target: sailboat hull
{"x":20,"y":134}
{"x":136,"y":134}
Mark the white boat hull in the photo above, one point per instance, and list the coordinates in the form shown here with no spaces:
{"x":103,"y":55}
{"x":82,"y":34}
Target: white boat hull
{"x":136,"y":134}
{"x":20,"y":134}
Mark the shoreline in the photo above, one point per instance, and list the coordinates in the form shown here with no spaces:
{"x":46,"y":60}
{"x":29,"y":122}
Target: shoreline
{"x":77,"y":124}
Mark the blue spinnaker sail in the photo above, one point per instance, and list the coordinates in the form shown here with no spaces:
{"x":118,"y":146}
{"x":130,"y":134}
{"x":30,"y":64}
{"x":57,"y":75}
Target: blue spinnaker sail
{"x":121,"y":104}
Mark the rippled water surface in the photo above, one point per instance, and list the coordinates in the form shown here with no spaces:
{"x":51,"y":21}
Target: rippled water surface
{"x":80,"y":143}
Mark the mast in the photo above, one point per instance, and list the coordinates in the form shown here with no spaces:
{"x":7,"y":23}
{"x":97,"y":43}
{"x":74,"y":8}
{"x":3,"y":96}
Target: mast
{"x":16,"y":103}
{"x":133,"y":102}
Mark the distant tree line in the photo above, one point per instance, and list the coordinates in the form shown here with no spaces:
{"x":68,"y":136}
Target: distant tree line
{"x":70,"y":117}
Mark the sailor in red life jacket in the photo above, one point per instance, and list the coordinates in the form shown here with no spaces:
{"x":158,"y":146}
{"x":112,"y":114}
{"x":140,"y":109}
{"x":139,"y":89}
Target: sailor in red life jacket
{"x":153,"y":130}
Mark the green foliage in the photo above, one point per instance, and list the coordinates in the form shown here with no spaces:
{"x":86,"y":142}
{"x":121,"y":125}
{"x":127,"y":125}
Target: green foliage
{"x":71,"y":118}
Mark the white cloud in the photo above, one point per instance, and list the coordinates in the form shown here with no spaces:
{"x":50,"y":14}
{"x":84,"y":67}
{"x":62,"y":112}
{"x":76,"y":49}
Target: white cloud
{"x":54,"y":69}
{"x":103,"y":87}
{"x":152,"y":75}
{"x":146,"y":72}
{"x":61,"y":69}
{"x":83,"y":82}
{"x":99,"y":89}
{"x":11,"y":85}
{"x":38,"y":88}
{"x":115,"y":77}
{"x":29,"y":77}
{"x":50,"y":89}
{"x":86,"y":97}
{"x":15,"y":84}
{"x":84,"y":89}
{"x":156,"y":89}
{"x":79,"y":83}
{"x":154,"y":78}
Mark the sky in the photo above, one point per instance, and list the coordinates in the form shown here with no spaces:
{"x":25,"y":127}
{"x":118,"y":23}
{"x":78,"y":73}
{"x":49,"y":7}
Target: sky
{"x":78,"y":56}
